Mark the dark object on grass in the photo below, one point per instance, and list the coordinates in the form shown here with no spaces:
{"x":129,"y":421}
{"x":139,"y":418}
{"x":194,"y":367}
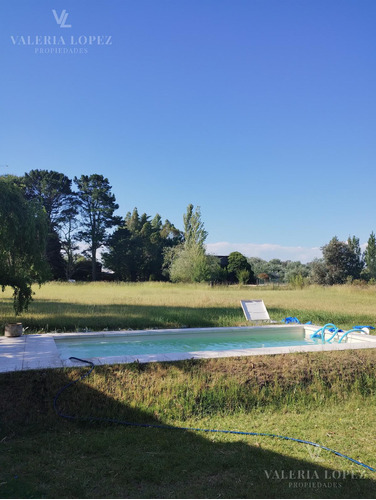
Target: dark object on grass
{"x":169,"y":427}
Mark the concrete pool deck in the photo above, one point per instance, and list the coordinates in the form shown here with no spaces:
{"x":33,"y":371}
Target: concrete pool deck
{"x":33,"y":352}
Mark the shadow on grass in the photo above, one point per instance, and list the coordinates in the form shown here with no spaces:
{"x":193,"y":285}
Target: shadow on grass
{"x":48,"y":316}
{"x":45,"y":456}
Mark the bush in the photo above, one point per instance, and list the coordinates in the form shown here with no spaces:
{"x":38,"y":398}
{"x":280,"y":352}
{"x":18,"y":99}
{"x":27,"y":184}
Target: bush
{"x":243,"y":276}
{"x":298,"y":281}
{"x":239,"y":269}
{"x":361,"y":283}
{"x":192,"y":265}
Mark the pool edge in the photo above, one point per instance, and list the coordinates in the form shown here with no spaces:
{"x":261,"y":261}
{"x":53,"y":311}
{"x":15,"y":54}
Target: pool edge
{"x":39,"y":351}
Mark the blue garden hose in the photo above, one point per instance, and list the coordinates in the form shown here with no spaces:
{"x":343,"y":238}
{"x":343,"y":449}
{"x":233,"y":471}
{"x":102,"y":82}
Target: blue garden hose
{"x":161,"y":426}
{"x":335,"y":331}
{"x":320,"y":333}
{"x":358,"y":330}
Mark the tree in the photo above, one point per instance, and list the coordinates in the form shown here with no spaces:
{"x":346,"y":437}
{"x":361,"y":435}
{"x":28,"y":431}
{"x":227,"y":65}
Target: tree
{"x":194,"y":231}
{"x":122,"y":256}
{"x":239,"y":269}
{"x":97,"y":206}
{"x":136,"y":249}
{"x":295,"y":270}
{"x":276,"y":269}
{"x":340,"y":261}
{"x":258,"y":265}
{"x":370,"y":256}
{"x":54,"y":257}
{"x":68,"y":232}
{"x":191,"y":265}
{"x":336,"y":257}
{"x":53,"y":190}
{"x":357,"y":259}
{"x":319,"y":272}
{"x":160,"y":237}
{"x":23,"y":233}
{"x":189,"y":262}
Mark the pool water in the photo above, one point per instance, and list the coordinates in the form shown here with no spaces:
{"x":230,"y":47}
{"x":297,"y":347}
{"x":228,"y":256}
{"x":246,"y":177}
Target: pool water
{"x":183,"y":341}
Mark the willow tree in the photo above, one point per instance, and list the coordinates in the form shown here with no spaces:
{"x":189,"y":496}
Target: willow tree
{"x":23,"y":234}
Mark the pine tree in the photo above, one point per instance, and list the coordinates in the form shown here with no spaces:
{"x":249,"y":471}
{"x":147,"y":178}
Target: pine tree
{"x":370,"y":256}
{"x":53,"y":190}
{"x":356,"y":260}
{"x":97,"y":207}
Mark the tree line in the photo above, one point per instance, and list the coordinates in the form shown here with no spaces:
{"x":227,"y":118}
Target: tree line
{"x":342,"y":262}
{"x":52,"y":227}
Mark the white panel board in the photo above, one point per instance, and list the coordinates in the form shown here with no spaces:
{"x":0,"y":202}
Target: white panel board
{"x":255,"y":310}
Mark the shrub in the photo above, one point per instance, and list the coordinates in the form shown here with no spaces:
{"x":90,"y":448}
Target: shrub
{"x":298,"y":281}
{"x":243,"y":276}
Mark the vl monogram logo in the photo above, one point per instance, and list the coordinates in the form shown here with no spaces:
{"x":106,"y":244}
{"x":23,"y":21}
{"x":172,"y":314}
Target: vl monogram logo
{"x":61,"y":19}
{"x":314,"y":453}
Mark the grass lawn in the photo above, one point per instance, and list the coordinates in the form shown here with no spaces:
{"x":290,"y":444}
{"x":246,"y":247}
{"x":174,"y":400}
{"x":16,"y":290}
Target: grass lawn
{"x":85,"y":306}
{"x":328,"y":398}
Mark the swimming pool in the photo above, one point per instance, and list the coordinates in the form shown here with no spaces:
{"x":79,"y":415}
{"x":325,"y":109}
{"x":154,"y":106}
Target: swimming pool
{"x":189,"y":340}
{"x":184,"y":343}
{"x":53,"y":350}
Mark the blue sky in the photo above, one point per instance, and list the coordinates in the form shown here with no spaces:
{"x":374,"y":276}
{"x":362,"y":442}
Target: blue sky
{"x":262,"y":112}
